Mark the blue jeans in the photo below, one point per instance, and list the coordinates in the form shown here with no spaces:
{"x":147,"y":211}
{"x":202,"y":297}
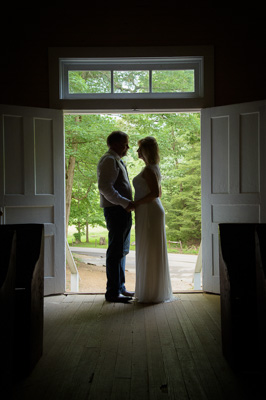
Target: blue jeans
{"x":118,"y":222}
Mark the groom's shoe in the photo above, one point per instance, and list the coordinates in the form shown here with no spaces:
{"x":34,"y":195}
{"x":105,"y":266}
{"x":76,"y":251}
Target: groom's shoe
{"x":118,"y":299}
{"x":127,"y":293}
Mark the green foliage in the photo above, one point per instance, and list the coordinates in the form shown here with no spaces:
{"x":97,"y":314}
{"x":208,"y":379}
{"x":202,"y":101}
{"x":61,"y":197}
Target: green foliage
{"x":89,"y":82}
{"x":86,"y":141}
{"x":132,"y":81}
{"x":178,"y":136}
{"x":173,"y":81}
{"x":183,"y":216}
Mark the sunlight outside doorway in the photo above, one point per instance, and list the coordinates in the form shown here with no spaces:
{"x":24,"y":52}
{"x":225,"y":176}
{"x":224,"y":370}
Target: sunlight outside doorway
{"x":178,"y":136}
{"x":134,"y":83}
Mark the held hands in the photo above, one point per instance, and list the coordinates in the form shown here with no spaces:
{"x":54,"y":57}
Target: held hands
{"x":131,"y":206}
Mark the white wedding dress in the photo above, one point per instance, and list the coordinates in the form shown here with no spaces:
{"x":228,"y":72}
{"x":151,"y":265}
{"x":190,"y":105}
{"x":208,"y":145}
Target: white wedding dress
{"x":153,"y":284}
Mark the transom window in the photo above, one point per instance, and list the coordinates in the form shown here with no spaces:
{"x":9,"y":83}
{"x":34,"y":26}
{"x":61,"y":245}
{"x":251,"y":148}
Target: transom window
{"x":176,"y":77}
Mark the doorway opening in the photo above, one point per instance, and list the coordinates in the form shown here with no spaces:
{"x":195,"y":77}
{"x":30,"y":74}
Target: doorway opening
{"x":178,"y":136}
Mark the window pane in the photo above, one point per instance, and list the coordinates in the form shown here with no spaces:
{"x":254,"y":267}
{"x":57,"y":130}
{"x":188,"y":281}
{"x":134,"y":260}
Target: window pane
{"x":173,"y":81}
{"x":89,"y":81}
{"x":131,"y":81}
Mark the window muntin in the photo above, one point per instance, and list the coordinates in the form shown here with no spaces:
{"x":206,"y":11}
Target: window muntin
{"x":130,"y":78}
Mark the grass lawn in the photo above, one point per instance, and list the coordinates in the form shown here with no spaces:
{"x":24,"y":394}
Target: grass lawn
{"x":98,"y":232}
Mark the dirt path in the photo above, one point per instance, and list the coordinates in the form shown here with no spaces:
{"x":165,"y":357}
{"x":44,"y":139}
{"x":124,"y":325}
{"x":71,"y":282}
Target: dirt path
{"x":93,"y":278}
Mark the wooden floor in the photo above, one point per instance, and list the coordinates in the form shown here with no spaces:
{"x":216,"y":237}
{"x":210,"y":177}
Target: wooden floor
{"x":99,"y":350}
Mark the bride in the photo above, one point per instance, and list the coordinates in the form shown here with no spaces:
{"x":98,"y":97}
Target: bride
{"x":153,"y":284}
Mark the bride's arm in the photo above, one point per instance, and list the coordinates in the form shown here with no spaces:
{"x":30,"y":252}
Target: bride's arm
{"x":152,"y":182}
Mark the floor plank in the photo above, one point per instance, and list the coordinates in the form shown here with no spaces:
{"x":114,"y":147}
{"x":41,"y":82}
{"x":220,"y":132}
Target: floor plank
{"x":206,"y":349}
{"x":98,"y":350}
{"x":156,"y":372}
{"x":175,"y":381}
{"x":139,"y":378}
{"x":185,"y":344}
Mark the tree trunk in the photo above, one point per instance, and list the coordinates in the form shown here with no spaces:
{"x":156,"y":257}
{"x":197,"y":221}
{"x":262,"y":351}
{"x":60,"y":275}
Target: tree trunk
{"x":70,"y":176}
{"x":69,"y":185}
{"x":87,"y":232}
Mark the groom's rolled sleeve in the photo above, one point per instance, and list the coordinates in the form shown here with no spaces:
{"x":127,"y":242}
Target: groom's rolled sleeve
{"x":107,"y":175}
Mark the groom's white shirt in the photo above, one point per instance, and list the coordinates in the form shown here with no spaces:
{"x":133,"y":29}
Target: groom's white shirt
{"x":113,"y":182}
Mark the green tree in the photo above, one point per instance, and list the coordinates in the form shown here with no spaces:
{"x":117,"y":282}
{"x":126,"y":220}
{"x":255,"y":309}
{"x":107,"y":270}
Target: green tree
{"x":178,"y":136}
{"x":180,"y":166}
{"x":85,"y":144}
{"x":183,"y":216}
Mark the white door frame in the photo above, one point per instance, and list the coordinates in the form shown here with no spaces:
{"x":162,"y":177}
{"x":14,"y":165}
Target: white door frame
{"x":233,"y":176}
{"x":32,"y":183}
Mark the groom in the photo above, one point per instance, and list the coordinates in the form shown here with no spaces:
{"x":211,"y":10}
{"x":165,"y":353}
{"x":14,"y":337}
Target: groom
{"x":116,"y":200}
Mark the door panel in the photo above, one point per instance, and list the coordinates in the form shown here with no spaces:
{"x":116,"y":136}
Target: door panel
{"x":32,"y":181}
{"x":233,"y":140}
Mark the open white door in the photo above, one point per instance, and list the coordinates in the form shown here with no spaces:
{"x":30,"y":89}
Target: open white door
{"x":32,"y":181}
{"x":233,"y":140}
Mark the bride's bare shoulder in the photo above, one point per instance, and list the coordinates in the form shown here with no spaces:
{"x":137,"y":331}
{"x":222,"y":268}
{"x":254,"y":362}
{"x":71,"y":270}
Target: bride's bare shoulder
{"x":150,"y":173}
{"x":148,"y":169}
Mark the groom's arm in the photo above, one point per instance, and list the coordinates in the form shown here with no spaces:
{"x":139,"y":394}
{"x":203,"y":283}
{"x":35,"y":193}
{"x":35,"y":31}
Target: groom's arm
{"x":130,"y":207}
{"x":107,"y":175}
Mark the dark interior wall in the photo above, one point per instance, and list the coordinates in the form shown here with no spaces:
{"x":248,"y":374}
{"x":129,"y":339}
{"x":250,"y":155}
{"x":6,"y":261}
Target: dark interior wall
{"x":238,"y":40}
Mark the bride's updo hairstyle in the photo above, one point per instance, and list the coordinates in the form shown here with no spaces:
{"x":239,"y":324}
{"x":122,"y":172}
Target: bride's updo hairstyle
{"x":149,"y":150}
